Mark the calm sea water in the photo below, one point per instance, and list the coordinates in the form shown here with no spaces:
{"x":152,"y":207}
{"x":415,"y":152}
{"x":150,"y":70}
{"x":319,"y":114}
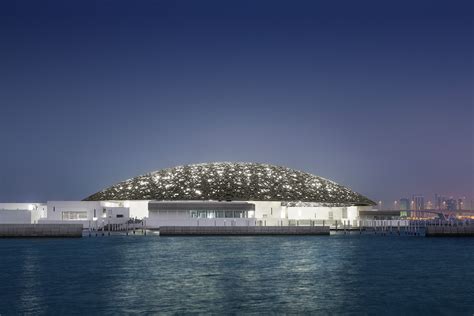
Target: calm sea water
{"x":317,"y":274}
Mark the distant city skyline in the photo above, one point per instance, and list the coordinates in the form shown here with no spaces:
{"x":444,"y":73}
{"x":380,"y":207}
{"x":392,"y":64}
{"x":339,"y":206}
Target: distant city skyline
{"x":373,"y":95}
{"x":436,"y":202}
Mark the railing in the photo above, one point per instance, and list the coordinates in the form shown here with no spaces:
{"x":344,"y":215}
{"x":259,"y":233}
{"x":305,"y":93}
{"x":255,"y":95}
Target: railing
{"x":132,"y":226}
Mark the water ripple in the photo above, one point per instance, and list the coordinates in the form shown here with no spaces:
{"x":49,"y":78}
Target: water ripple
{"x":250,"y":275}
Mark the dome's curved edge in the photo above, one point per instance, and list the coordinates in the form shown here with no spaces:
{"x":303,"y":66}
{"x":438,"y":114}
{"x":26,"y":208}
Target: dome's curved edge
{"x":355,"y":197}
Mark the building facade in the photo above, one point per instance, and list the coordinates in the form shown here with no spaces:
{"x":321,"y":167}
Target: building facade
{"x":216,"y":194}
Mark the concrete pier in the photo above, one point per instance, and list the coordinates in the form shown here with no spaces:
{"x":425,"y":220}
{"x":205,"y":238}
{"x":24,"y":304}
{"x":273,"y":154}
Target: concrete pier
{"x":40,"y":230}
{"x":450,"y":231}
{"x":242,"y":230}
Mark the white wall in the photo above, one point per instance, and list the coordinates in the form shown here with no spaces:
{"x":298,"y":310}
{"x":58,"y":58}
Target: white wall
{"x":105,"y":212}
{"x":16,"y":206}
{"x":38,"y":214}
{"x":138,"y":209}
{"x":22,"y":206}
{"x":264,"y":209}
{"x":352,"y":213}
{"x":273,"y":212}
{"x":56,"y":208}
{"x":315,"y":213}
{"x":21,"y":213}
{"x":15,"y":217}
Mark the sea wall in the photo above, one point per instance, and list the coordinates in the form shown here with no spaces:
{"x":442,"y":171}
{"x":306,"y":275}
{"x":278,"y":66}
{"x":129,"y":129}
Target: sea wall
{"x":450,"y":231}
{"x":242,"y":230}
{"x":40,"y":230}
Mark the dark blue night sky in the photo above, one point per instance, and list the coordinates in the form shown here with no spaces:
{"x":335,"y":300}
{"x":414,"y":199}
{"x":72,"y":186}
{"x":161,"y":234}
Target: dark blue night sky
{"x":375,"y":95}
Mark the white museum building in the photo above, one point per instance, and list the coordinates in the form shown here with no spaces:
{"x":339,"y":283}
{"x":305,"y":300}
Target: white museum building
{"x":208,"y":194}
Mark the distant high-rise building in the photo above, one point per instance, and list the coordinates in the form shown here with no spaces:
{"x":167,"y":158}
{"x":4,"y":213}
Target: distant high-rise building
{"x":418,"y":202}
{"x":461,"y":204}
{"x":404,"y":204}
{"x":440,"y":202}
{"x":451,"y":204}
{"x":429,"y":205}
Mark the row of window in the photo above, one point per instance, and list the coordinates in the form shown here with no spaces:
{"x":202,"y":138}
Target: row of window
{"x":217,"y":214}
{"x":72,"y":215}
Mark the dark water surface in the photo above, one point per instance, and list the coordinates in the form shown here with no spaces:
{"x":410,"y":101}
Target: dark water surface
{"x":315,"y":274}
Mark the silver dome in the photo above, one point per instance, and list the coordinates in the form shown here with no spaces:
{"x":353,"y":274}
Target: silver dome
{"x":232,"y":181}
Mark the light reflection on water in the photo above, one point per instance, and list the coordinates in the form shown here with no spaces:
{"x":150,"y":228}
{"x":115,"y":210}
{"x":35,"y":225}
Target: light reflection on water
{"x":336,"y":274}
{"x":30,"y":295}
